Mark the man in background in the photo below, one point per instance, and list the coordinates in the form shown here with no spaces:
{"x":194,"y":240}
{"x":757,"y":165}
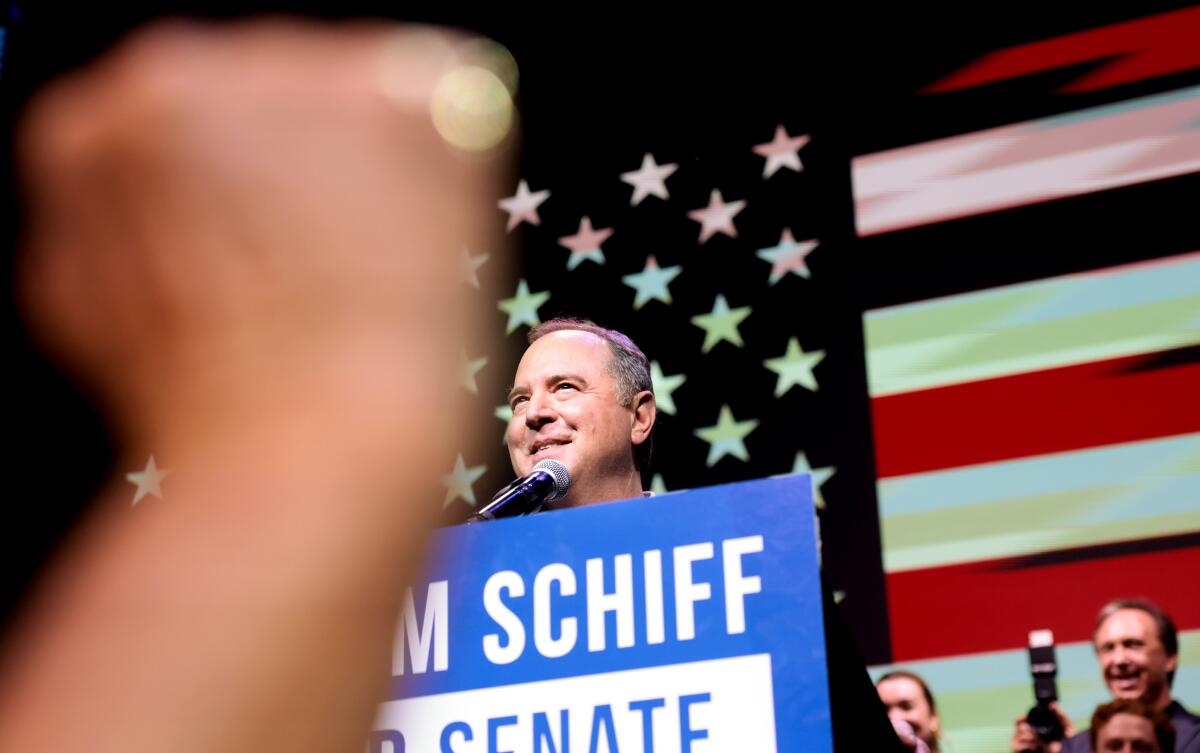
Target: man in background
{"x":1137,"y":646}
{"x":1129,"y":726}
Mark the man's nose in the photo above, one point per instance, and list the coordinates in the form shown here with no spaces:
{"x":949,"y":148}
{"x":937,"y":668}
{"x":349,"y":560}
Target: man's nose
{"x":539,"y":410}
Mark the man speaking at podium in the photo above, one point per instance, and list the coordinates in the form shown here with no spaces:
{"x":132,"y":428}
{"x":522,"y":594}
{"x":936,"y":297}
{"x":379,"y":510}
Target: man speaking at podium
{"x":583,"y":396}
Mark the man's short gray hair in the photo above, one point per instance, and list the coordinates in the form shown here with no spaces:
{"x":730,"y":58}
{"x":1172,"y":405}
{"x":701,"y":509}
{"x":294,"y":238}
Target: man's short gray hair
{"x":628,"y":365}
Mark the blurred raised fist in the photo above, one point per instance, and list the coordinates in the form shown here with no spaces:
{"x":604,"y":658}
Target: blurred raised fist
{"x":226,"y":224}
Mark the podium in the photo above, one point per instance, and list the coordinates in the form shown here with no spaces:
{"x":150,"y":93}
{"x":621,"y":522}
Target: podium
{"x":688,"y":622}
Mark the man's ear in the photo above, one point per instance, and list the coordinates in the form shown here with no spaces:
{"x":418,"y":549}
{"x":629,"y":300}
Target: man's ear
{"x":645,"y":412}
{"x":1172,"y":663}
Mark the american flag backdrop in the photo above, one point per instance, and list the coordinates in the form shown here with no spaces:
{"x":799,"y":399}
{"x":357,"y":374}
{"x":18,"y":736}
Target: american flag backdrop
{"x":969,"y":308}
{"x":948,"y":264}
{"x":1034,"y":412}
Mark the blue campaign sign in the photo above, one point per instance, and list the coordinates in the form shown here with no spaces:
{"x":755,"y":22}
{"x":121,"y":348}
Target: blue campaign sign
{"x":687,"y":622}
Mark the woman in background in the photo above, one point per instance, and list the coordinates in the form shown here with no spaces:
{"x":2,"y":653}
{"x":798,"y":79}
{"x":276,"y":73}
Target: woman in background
{"x":910,"y":704}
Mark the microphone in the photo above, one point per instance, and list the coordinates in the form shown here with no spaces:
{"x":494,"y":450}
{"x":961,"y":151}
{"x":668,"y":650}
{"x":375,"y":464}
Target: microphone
{"x":549,"y":480}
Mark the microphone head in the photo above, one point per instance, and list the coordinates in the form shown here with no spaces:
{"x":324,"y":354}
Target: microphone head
{"x":560,"y":474}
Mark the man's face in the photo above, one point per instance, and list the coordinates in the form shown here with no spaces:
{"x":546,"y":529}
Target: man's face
{"x":1127,"y":733}
{"x":905,"y":701}
{"x":566,"y":406}
{"x":1134,"y":662}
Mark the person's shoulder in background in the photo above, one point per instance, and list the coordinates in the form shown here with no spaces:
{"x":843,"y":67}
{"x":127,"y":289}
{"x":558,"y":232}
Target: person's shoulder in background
{"x":1187,"y":729}
{"x":1080,"y":742}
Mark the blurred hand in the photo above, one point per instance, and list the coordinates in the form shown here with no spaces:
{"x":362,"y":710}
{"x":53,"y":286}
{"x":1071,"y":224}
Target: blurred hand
{"x":246,"y":241}
{"x":225,"y":226}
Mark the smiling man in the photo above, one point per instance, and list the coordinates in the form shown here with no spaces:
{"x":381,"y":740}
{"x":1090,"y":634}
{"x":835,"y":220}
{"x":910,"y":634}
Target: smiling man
{"x":1138,"y":653}
{"x":1138,"y":649}
{"x":583,"y":396}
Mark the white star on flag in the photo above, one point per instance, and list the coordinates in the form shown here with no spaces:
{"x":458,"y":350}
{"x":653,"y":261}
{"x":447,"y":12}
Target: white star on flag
{"x":788,"y":256}
{"x":782,"y":151}
{"x":522,"y":307}
{"x":664,"y":387}
{"x":468,"y":371}
{"x":651,"y":283}
{"x":649,"y":179}
{"x":727,"y":437}
{"x":471,"y":265}
{"x":585,"y":244}
{"x":460,"y":480}
{"x":721,"y":323}
{"x":794,"y":367}
{"x":819,"y":477}
{"x":505,"y":414}
{"x":148,"y":481}
{"x":522,"y":206}
{"x":657,"y":485}
{"x":717,"y":217}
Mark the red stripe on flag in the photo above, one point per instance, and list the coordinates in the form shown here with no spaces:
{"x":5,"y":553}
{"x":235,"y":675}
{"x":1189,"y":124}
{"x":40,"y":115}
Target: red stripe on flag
{"x":992,"y":606}
{"x":1055,"y":410}
{"x":1131,"y":51}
